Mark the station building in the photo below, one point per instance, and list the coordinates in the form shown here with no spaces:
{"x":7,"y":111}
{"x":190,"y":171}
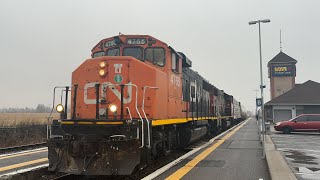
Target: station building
{"x":289,"y":99}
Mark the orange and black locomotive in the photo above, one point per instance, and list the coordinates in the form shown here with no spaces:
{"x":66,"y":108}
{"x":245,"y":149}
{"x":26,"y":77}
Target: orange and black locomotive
{"x":135,"y":100}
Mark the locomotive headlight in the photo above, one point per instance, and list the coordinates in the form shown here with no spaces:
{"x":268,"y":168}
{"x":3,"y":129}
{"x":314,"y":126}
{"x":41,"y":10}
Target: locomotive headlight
{"x":102,"y":64}
{"x":59,"y":108}
{"x":102,"y":72}
{"x":113,"y":108}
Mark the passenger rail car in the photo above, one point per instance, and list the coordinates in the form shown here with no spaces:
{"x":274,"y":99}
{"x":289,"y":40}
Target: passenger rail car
{"x":135,"y":100}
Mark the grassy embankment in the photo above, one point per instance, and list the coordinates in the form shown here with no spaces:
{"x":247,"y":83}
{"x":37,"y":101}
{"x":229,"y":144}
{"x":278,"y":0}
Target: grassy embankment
{"x":23,"y":128}
{"x":24,"y":119}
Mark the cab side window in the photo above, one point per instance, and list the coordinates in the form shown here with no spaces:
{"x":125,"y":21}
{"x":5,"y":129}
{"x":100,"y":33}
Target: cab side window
{"x":175,"y":62}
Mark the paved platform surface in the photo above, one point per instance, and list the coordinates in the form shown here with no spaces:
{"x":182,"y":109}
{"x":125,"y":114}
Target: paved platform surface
{"x":22,"y":161}
{"x":301,"y":152}
{"x":232,"y":157}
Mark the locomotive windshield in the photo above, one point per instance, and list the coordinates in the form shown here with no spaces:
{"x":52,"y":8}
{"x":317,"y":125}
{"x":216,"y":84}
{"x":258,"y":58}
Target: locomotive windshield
{"x":113,"y":52}
{"x":135,"y":52}
{"x":98,"y":54}
{"x":134,"y":47}
{"x":110,"y":52}
{"x":155,"y":55}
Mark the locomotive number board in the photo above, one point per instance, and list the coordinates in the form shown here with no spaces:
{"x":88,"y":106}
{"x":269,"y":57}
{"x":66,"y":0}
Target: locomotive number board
{"x":136,"y":41}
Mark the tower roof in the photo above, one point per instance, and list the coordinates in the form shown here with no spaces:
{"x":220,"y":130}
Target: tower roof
{"x":282,"y":58}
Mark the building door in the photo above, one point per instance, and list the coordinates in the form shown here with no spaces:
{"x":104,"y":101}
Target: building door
{"x":282,"y":115}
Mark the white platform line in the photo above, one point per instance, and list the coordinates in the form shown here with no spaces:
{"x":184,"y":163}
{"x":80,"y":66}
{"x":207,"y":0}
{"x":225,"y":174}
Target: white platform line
{"x":173,"y":163}
{"x":22,"y":152}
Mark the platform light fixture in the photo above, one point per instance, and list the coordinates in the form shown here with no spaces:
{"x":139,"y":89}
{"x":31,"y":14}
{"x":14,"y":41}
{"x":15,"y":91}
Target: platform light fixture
{"x":259,"y":21}
{"x":261,"y":78}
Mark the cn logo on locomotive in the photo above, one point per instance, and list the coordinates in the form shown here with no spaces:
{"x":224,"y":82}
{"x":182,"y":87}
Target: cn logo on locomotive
{"x":104,"y":87}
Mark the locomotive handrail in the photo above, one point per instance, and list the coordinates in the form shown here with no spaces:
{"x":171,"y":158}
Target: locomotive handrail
{"x":136,"y":106}
{"x":148,"y":122}
{"x":129,"y":113}
{"x":53,"y":104}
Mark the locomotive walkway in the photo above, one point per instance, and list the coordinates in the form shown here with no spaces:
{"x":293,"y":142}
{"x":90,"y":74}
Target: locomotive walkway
{"x":235,"y":155}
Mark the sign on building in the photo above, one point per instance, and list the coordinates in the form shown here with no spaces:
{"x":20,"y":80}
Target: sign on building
{"x":285,"y":70}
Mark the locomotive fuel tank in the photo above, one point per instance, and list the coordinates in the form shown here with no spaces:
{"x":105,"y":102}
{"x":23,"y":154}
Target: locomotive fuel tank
{"x":190,"y":135}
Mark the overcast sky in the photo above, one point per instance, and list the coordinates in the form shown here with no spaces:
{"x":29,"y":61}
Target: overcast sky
{"x":42,"y":42}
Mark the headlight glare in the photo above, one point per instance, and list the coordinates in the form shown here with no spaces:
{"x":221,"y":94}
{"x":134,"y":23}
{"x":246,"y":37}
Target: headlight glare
{"x":102,"y":64}
{"x":113,"y":108}
{"x":59,"y":108}
{"x":102,"y":72}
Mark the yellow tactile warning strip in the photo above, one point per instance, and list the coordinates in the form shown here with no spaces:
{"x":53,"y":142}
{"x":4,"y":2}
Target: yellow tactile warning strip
{"x":191,"y":164}
{"x":23,"y":164}
{"x":23,"y":154}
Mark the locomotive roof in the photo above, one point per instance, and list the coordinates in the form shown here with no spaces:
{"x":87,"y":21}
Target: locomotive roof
{"x":123,"y":37}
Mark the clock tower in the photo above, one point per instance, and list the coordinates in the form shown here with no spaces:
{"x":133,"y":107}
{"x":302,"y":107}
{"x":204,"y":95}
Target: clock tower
{"x":282,"y":74}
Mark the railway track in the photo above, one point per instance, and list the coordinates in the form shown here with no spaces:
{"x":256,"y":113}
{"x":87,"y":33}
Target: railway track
{"x":42,"y":173}
{"x":155,"y":165}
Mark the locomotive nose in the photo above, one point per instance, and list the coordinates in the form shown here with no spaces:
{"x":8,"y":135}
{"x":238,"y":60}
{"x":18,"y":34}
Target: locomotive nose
{"x":100,"y":92}
{"x":115,"y":92}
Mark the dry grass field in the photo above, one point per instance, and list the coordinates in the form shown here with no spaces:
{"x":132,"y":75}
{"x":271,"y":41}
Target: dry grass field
{"x":18,"y":129}
{"x":23,"y":119}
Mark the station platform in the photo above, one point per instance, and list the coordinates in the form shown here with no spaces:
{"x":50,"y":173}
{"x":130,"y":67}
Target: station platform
{"x":23,"y":161}
{"x":235,"y":155}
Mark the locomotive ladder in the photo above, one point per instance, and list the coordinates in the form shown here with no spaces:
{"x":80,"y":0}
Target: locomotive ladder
{"x":65,"y":89}
{"x":144,"y":113}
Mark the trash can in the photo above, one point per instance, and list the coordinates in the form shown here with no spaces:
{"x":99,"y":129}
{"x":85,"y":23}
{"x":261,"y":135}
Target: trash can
{"x":267,"y":126}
